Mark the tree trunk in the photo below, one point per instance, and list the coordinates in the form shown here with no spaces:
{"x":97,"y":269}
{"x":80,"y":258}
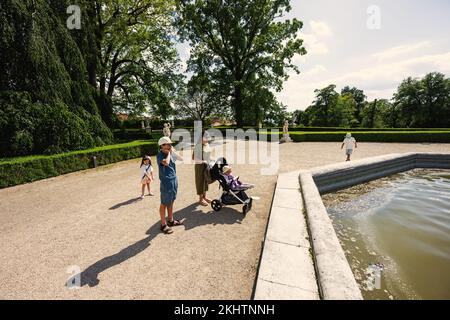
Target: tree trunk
{"x":104,"y":103}
{"x":238,"y":106}
{"x":372,"y":114}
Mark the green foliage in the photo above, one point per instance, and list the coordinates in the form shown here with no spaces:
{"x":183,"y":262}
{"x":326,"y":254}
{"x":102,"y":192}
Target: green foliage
{"x":242,"y":46}
{"x":342,"y":113}
{"x":27,"y":169}
{"x":323,"y":107}
{"x":136,"y":134}
{"x":423,"y":102}
{"x":36,"y":128}
{"x":198,"y":101}
{"x":376,"y":114}
{"x":343,"y":129}
{"x":46,"y":103}
{"x":360,"y":101}
{"x":137,"y":57}
{"x":374,"y":136}
{"x":417,"y":103}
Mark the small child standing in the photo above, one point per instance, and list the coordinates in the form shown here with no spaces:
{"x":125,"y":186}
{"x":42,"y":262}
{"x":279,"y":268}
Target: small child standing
{"x":146,"y":175}
{"x":349,"y":142}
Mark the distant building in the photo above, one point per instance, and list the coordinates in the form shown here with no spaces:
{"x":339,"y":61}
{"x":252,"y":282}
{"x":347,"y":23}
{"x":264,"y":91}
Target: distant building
{"x":215,"y":122}
{"x":122,"y":116}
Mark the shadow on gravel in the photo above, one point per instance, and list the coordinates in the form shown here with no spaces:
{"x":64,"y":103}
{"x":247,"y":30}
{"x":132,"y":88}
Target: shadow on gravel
{"x":125,"y":203}
{"x":194,"y":218}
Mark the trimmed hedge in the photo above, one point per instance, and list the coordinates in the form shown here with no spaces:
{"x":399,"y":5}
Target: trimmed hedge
{"x":27,"y":169}
{"x":334,"y":129}
{"x":14,"y":171}
{"x":380,"y":136}
{"x":134,"y":134}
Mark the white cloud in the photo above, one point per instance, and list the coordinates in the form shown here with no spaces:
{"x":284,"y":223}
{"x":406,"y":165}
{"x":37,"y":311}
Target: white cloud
{"x":313,"y":41}
{"x":402,"y":50}
{"x":314,"y":46}
{"x":320,"y":28}
{"x":378,"y":80}
{"x":317,"y":69}
{"x":395,"y":72}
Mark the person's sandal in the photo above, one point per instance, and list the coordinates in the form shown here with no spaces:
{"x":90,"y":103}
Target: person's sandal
{"x":175,"y":222}
{"x":166,"y":229}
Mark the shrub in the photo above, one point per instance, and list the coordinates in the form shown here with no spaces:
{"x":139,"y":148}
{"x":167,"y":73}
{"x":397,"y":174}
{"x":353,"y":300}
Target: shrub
{"x":383,"y":136}
{"x":39,"y":128}
{"x":341,"y":129}
{"x":133,"y":134}
{"x":27,"y":169}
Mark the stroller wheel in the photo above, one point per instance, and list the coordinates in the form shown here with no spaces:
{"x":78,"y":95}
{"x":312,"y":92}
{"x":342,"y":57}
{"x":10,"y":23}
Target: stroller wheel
{"x":247,"y":206}
{"x":216,"y":205}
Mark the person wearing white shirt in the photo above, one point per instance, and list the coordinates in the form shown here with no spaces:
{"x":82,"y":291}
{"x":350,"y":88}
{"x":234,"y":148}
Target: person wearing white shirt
{"x":349,"y":143}
{"x":146,"y":175}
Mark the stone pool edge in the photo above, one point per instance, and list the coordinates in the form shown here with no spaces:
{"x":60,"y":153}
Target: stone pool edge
{"x":333,"y":277}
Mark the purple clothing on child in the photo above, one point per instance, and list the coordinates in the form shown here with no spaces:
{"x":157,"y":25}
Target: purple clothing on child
{"x":232,"y":182}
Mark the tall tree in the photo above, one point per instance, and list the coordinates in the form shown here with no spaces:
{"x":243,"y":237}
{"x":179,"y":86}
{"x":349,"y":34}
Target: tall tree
{"x":360,"y":100}
{"x":137,"y":60}
{"x":342,"y":113}
{"x":46,"y":102}
{"x":241,"y":41}
{"x":300,"y":117}
{"x":198,"y":101}
{"x":409,"y":101}
{"x":424,"y":102}
{"x":377,"y":114}
{"x":326,"y":100}
{"x":436,"y":100}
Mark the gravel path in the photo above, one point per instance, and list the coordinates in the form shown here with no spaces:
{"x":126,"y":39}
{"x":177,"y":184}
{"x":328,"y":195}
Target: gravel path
{"x":91,"y":221}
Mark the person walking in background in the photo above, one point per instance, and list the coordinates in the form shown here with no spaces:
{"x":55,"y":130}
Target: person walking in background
{"x":349,"y":143}
{"x":146,"y":175}
{"x":202,"y":157}
{"x":169,"y":183}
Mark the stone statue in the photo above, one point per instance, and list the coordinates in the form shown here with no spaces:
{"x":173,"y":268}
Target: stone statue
{"x":286,"y":137}
{"x":166,"y":130}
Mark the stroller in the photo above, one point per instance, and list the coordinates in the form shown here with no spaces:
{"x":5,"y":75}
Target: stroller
{"x":229,"y":196}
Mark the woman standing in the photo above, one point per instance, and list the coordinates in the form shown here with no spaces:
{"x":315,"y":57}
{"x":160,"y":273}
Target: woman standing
{"x":201,"y":157}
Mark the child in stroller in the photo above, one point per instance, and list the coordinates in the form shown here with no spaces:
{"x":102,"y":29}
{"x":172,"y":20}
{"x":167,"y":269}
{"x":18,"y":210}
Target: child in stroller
{"x":233,"y":182}
{"x":233,"y":189}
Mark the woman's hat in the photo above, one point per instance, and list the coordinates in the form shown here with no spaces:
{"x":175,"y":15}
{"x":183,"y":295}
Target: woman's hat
{"x":348,"y":135}
{"x":164,"y":140}
{"x":225,"y":169}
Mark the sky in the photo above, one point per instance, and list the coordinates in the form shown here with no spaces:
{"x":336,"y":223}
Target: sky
{"x":370,"y":44}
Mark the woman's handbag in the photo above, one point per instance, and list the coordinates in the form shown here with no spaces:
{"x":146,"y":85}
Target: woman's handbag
{"x":207,"y":173}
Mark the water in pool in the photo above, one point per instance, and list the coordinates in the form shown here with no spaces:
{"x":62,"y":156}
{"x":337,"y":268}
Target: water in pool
{"x":396,"y":234}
